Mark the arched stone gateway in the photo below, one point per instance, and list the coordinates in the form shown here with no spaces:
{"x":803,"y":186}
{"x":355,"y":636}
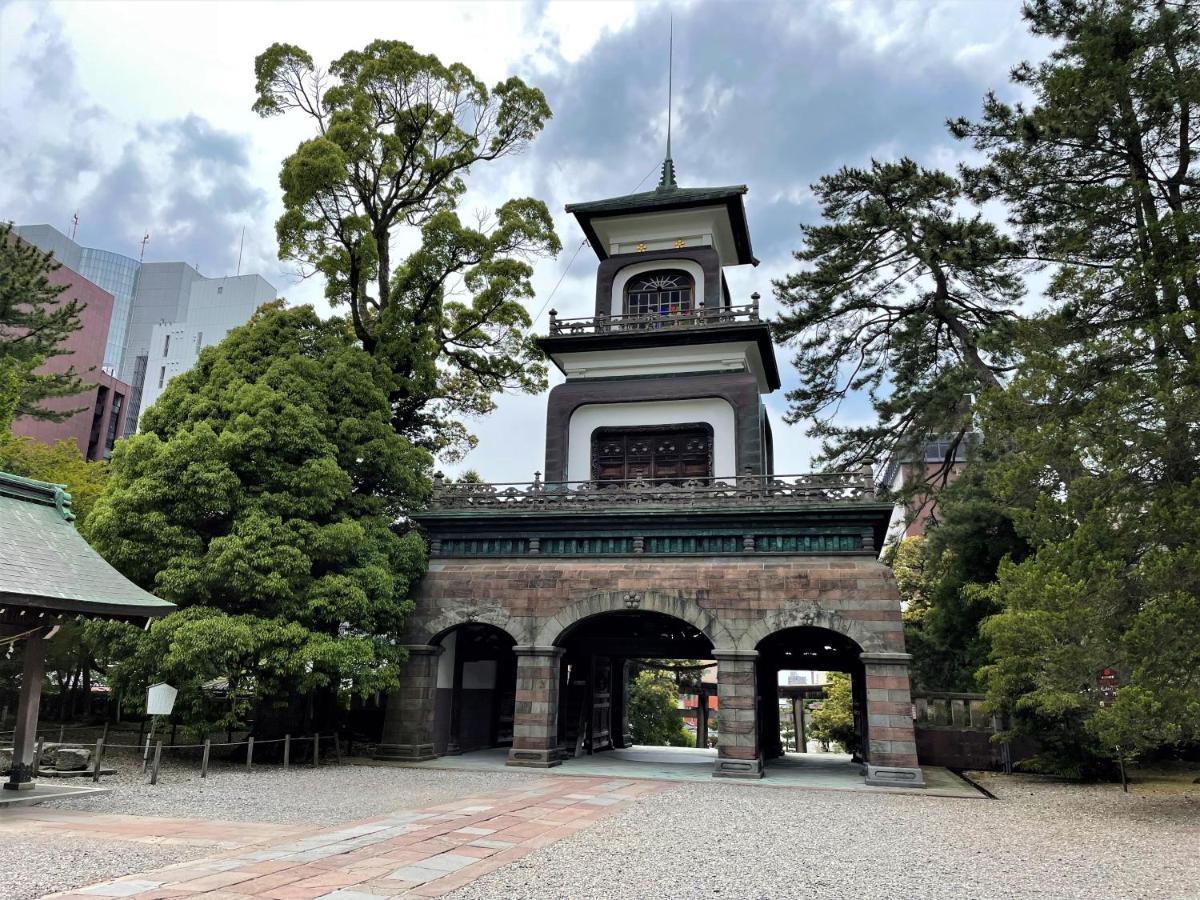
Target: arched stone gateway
{"x":659,"y":500}
{"x":678,"y":606}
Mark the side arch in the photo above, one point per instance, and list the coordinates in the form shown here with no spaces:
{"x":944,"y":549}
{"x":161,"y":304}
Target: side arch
{"x":811,"y":615}
{"x":425,"y":632}
{"x":676,"y":605}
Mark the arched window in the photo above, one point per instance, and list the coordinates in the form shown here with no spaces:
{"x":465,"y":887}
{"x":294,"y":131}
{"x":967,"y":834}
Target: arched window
{"x":663,"y":292}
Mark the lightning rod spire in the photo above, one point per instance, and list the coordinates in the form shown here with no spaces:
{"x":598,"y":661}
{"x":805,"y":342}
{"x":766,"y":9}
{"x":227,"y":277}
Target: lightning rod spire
{"x":667,"y":181}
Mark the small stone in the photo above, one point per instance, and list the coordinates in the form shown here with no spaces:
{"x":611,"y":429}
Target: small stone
{"x":71,"y":759}
{"x":6,"y":756}
{"x":48,"y":751}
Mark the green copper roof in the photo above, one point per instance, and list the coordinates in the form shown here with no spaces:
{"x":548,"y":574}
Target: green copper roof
{"x":660,"y":198}
{"x":46,"y":564}
{"x":669,"y":196}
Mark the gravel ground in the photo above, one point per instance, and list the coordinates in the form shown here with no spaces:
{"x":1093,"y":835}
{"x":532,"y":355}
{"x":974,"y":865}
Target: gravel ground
{"x":720,"y":840}
{"x":300,"y":794}
{"x":32,"y":867}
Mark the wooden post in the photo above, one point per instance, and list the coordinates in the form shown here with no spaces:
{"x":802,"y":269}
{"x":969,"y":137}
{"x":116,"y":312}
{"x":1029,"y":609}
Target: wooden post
{"x":316,"y":750}
{"x":204,"y":758}
{"x":174,"y":727}
{"x":157,"y":759}
{"x":24,"y":770}
{"x":702,"y":718}
{"x":149,"y":738}
{"x":4,"y":716}
{"x":98,"y":755}
{"x":287,"y":750}
{"x":798,"y":721}
{"x":337,"y":748}
{"x":62,"y":733}
{"x":37,"y":756}
{"x":104,"y":733}
{"x":249,"y":753}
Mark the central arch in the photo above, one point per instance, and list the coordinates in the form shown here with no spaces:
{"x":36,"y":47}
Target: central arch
{"x":678,"y":606}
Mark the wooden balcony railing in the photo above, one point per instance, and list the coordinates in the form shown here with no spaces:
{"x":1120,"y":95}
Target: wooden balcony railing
{"x":738,"y":491}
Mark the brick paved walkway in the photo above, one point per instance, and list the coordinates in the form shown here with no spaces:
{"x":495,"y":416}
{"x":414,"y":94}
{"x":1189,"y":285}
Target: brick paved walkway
{"x":426,"y":853}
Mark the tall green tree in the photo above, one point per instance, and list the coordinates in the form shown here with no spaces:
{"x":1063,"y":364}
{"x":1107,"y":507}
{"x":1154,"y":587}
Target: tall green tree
{"x":653,"y":715}
{"x":1099,"y":173}
{"x":901,"y":296}
{"x":833,"y":723}
{"x":266,"y":495}
{"x":397,"y":132}
{"x":34,"y":324}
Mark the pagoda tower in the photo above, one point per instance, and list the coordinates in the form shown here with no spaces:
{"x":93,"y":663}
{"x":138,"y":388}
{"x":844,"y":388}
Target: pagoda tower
{"x":656,"y":529}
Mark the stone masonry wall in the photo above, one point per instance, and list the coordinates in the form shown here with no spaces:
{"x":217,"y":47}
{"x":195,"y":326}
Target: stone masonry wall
{"x":735,"y":601}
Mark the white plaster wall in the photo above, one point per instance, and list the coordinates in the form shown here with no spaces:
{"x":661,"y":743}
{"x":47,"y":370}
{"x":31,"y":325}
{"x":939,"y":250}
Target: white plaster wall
{"x":734,"y":356}
{"x":716,"y":412}
{"x":692,"y":267}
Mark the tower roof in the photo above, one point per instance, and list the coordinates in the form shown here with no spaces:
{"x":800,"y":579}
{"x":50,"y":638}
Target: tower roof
{"x":668,"y":197}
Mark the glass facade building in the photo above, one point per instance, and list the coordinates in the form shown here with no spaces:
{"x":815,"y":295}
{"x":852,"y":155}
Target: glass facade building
{"x":117,"y":274}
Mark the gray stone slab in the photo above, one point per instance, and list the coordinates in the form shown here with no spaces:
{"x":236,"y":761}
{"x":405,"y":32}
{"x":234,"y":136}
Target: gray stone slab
{"x":121,"y":888}
{"x":415,"y":874}
{"x":448,"y":862}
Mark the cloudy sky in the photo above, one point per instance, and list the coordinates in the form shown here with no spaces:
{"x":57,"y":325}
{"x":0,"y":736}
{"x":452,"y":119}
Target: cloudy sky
{"x":137,"y":115}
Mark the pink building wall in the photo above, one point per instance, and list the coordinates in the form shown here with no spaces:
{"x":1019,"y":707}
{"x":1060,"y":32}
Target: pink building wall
{"x":87,"y":356}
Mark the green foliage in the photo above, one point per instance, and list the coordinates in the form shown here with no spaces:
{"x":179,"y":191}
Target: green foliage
{"x":937,"y":577}
{"x":1104,"y":480}
{"x":396,"y":134}
{"x":58,"y":463}
{"x":900,"y":296}
{"x":833,"y":723}
{"x":263,"y":496}
{"x":34,"y":322}
{"x":653,"y":715}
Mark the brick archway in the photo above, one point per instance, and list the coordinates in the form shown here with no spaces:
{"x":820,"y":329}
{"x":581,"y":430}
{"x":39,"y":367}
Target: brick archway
{"x":811,"y":615}
{"x":425,"y":632}
{"x":675,"y":605}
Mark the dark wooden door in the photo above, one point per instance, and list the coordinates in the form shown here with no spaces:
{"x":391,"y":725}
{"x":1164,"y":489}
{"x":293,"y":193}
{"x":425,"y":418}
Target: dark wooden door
{"x":601,"y":703}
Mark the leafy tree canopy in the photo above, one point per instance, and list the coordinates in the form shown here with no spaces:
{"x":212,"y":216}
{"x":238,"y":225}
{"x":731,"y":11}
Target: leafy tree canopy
{"x":653,"y":716}
{"x":34,"y":323}
{"x":833,"y":723}
{"x":263,"y":496}
{"x":1099,"y":175}
{"x":58,"y":463}
{"x":397,"y":132}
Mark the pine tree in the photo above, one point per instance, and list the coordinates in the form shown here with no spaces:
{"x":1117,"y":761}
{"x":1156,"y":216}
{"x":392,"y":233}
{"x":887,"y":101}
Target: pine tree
{"x":34,"y":323}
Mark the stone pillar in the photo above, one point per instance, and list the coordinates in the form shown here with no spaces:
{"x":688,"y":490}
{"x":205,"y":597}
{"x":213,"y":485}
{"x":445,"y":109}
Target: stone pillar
{"x":535,"y":717}
{"x":408,"y":722}
{"x":28,"y":701}
{"x":738,"y":754}
{"x":891,"y":750}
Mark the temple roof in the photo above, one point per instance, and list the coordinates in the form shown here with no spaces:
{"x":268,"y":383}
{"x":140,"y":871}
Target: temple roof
{"x":46,"y":564}
{"x":664,"y":198}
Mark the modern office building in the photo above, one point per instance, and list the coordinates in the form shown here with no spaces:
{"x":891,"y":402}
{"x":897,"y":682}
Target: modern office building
{"x":99,"y":416}
{"x":152,"y":300}
{"x":216,"y":306}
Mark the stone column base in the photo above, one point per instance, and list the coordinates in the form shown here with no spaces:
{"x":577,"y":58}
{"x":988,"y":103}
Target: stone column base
{"x":894,"y":776}
{"x":738,"y":768}
{"x":533,"y":759}
{"x":405,"y":752}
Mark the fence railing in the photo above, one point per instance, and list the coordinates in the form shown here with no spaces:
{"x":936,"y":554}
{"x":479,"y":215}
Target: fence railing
{"x":300,"y":749}
{"x":945,"y":709}
{"x":703,"y":317}
{"x":735,"y":491}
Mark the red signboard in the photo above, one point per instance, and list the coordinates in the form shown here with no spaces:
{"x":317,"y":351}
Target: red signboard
{"x":1108,"y":682}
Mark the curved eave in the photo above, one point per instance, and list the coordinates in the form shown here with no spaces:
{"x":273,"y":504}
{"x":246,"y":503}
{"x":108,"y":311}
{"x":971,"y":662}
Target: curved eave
{"x":730,"y":198}
{"x":759,"y":333}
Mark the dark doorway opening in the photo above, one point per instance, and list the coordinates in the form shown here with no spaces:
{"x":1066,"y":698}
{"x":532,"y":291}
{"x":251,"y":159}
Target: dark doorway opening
{"x":476,"y":689}
{"x":811,"y":650}
{"x":603,"y":655}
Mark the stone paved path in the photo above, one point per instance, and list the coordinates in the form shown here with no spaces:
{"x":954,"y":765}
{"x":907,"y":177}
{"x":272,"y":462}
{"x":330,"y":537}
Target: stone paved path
{"x":425,"y":853}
